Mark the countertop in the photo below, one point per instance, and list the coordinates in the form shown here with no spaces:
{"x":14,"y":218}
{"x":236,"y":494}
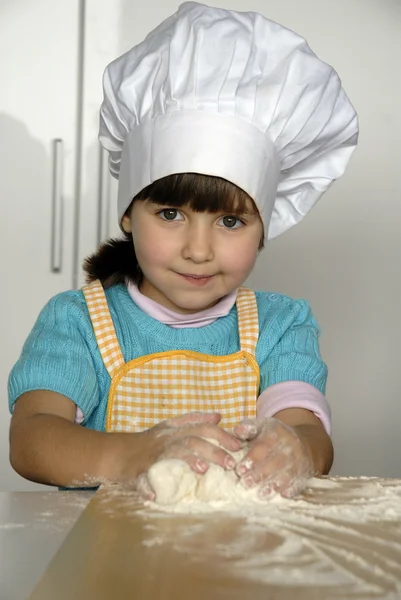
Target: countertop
{"x":341,"y":539}
{"x":33,"y":525}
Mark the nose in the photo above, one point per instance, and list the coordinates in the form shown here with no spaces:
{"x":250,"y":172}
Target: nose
{"x":198,"y":243}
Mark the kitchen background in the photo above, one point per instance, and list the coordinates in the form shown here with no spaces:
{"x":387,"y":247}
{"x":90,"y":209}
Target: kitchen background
{"x":58,"y":200}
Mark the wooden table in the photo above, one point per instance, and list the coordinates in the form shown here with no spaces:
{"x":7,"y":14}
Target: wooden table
{"x":33,"y":526}
{"x":342,"y":539}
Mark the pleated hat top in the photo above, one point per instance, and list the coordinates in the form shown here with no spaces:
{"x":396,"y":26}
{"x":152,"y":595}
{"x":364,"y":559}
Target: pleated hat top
{"x":229,"y":94}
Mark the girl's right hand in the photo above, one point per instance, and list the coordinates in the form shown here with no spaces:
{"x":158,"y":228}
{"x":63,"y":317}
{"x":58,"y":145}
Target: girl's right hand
{"x":183,"y":438}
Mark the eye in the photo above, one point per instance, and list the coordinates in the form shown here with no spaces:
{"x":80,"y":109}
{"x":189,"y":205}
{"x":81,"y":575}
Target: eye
{"x":169,"y":214}
{"x":231,"y":222}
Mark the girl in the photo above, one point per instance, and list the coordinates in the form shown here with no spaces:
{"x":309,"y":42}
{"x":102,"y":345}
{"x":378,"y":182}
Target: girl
{"x":224,"y":129}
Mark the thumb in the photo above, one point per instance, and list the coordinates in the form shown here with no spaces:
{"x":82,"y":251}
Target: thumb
{"x":247,"y":429}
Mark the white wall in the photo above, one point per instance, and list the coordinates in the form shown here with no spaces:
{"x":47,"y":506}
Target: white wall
{"x":344,"y":258}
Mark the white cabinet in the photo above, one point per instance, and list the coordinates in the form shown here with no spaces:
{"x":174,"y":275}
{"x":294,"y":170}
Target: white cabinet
{"x":58,"y":199}
{"x":97,"y":217}
{"x":39,"y":47}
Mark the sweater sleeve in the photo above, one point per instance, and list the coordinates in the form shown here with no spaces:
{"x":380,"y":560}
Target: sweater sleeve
{"x":58,"y":355}
{"x":288,"y":348}
{"x":294,"y":394}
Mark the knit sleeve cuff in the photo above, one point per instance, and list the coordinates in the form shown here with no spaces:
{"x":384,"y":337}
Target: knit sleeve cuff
{"x":294,"y":394}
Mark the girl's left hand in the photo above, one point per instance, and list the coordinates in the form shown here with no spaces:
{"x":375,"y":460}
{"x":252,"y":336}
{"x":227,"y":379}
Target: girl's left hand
{"x":278,"y":460}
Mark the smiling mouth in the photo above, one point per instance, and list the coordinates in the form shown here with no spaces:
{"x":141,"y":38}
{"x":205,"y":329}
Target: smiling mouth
{"x":196,"y":276}
{"x":196,"y":279}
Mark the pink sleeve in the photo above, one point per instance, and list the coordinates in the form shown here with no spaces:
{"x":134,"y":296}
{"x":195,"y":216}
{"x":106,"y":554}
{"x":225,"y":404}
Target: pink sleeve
{"x":294,"y":394}
{"x":79,"y":416}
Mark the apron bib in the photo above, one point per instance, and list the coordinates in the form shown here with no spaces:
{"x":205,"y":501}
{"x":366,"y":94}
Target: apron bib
{"x":163,"y":385}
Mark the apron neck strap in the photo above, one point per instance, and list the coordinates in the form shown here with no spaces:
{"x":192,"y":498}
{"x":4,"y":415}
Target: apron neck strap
{"x":248,"y":321}
{"x":103,"y":326}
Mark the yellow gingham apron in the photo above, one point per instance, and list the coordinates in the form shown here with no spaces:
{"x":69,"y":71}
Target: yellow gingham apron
{"x":163,"y":385}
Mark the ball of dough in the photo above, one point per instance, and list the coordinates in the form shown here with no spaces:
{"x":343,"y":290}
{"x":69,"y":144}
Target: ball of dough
{"x":172,"y":480}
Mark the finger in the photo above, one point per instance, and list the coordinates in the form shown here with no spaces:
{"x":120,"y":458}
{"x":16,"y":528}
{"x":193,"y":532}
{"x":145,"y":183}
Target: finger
{"x":248,"y":429}
{"x":280,"y":470}
{"x":222,"y":437}
{"x":277,"y":483}
{"x":210,"y":453}
{"x":295,"y":487}
{"x":263,"y":472}
{"x":288,"y":484}
{"x":288,"y":481}
{"x":181,"y":450}
{"x":210,"y":430}
{"x":244,"y":466}
{"x":194,"y":418}
{"x":260,"y":450}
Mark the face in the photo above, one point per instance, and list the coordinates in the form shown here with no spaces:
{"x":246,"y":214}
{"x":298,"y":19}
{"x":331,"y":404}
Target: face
{"x":189,"y":259}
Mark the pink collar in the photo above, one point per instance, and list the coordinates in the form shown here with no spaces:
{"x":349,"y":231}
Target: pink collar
{"x":178,"y":320}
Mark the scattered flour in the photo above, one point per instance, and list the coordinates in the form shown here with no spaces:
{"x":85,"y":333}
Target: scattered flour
{"x":340,"y":533}
{"x":63,"y":510}
{"x":342,"y":536}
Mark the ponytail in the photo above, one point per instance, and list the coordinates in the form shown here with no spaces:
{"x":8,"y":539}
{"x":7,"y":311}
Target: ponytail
{"x":102,"y":264}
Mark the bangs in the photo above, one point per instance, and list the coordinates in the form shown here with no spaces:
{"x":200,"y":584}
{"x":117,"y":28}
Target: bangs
{"x":199,"y":192}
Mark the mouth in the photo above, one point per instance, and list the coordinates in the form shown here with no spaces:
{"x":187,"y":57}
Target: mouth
{"x":196,"y":279}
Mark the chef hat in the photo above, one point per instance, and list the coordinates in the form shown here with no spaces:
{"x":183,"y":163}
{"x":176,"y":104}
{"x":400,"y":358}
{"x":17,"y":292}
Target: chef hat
{"x":229,"y":94}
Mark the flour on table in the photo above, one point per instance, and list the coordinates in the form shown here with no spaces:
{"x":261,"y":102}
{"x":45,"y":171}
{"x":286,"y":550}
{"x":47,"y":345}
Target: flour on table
{"x":340,"y":538}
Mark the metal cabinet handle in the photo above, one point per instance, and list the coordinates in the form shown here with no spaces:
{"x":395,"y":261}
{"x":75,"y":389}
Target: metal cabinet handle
{"x":103,"y":212}
{"x":57,"y":207}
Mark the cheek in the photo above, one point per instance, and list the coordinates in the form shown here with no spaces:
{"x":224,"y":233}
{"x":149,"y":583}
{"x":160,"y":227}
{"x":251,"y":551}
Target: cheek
{"x":241,"y":255}
{"x":150,"y":248}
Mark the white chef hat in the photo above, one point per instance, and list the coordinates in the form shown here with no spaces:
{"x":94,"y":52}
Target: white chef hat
{"x":229,"y":94}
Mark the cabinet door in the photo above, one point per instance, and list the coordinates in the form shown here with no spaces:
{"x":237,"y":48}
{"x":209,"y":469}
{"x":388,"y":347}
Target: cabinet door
{"x":38,"y":136}
{"x":98,"y":190}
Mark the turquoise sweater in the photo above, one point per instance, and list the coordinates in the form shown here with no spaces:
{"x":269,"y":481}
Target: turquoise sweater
{"x":61,"y":353}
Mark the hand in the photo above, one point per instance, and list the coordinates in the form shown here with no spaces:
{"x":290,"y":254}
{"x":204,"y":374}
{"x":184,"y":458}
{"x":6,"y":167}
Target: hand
{"x":182,"y":438}
{"x":277,"y":461}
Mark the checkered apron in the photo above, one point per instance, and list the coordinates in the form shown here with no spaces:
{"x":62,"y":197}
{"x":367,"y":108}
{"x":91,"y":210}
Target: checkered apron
{"x":155,"y":387}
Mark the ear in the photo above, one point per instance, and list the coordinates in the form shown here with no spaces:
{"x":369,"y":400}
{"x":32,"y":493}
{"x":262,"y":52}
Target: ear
{"x":126,"y":223}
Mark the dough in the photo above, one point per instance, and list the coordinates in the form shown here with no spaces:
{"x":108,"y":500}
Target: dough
{"x":216,"y":484}
{"x":173,"y":480}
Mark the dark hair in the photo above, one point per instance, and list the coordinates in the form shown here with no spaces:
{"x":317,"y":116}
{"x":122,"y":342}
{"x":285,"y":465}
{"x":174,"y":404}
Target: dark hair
{"x":115,"y":261}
